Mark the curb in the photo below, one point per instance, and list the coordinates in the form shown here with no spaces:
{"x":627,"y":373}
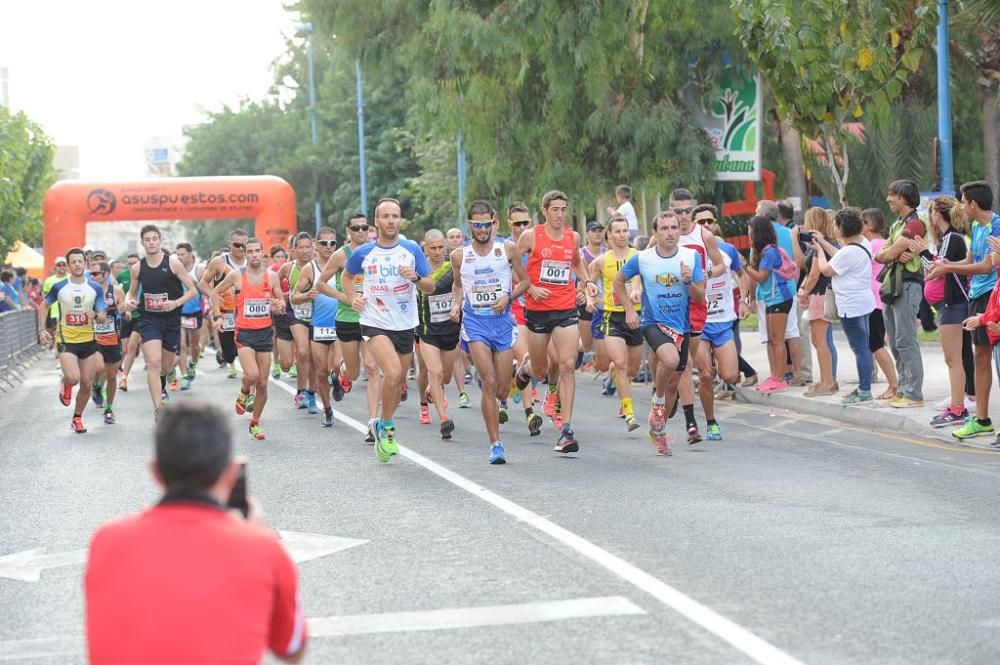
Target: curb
{"x":884,"y":419}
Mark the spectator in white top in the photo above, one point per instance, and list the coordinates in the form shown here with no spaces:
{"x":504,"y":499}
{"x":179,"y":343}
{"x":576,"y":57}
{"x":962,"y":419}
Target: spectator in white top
{"x":623,"y":195}
{"x":851,"y":269}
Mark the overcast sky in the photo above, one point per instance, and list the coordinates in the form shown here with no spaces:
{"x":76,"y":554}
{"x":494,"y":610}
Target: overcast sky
{"x":106,"y":74}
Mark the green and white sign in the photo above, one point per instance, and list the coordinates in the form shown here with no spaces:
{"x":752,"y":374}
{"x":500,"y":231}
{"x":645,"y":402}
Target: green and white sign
{"x":732,"y":120}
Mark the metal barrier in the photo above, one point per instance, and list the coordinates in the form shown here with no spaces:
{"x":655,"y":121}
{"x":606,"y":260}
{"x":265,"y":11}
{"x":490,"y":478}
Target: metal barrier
{"x":18,"y":344}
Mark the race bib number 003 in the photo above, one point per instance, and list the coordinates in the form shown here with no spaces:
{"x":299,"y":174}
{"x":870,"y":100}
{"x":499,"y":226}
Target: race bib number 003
{"x":555,"y":272}
{"x":483,"y":297}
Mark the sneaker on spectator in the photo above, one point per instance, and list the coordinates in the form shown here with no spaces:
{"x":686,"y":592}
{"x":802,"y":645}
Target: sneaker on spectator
{"x":948,"y":418}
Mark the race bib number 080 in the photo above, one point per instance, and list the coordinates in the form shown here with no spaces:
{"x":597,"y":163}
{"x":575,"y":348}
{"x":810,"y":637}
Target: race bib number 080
{"x":256,"y":308}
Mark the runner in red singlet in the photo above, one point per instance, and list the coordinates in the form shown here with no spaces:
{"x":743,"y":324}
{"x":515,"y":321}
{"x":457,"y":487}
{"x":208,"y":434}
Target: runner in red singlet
{"x":259,"y":295}
{"x":551,"y":302}
{"x":701,"y":240}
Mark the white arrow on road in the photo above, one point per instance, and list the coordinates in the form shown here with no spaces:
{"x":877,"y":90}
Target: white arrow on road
{"x":307,"y":546}
{"x":27,"y":566}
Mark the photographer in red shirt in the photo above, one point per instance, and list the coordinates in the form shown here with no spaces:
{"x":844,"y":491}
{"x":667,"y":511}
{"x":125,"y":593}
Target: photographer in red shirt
{"x":188,"y":581}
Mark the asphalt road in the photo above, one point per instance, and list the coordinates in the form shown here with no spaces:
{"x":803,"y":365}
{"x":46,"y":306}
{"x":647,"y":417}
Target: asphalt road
{"x":792,"y":540}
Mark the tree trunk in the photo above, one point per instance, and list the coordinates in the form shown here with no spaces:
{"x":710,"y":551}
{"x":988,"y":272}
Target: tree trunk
{"x":839,"y":175}
{"x":791,"y":154}
{"x":991,"y":138}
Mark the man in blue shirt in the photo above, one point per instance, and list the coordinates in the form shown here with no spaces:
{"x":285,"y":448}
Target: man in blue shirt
{"x":672,"y":277}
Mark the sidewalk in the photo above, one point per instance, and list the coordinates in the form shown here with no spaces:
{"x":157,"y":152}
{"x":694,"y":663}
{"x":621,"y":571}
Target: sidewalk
{"x":875,"y":415}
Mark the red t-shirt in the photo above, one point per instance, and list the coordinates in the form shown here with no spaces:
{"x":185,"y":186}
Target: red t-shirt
{"x":550,"y":266}
{"x":186,"y":582}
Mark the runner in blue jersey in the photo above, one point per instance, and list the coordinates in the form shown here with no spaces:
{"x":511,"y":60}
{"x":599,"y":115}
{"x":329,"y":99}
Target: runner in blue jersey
{"x":191,"y":319}
{"x":308,"y":300}
{"x":393,"y":269}
{"x":482,"y":297}
{"x":672,"y":277}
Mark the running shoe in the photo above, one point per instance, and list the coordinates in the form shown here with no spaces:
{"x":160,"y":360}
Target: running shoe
{"x":293,"y":372}
{"x":302,"y":399}
{"x":579,"y":359}
{"x":109,"y":417}
{"x":534,"y":395}
{"x":175,"y":384}
{"x":549,"y":407}
{"x":609,"y":386}
{"x":276,"y":370}
{"x":774,"y":386}
{"x":694,"y":436}
{"x":447,"y":427}
{"x":714,"y":432}
{"x":902,"y":402}
{"x":567,"y":442}
{"x":749,"y":381}
{"x":502,"y":414}
{"x":658,"y":417}
{"x":345,"y":383}
{"x":372,"y":426}
{"x":403,"y":392}
{"x":77,"y":425}
{"x":385,"y":446}
{"x":65,"y":394}
{"x":995,"y":445}
{"x":425,"y":415}
{"x":661,"y":441}
{"x":534,"y":424}
{"x":557,"y":421}
{"x":631,"y":424}
{"x":947,"y":418}
{"x":336,"y":388}
{"x":515,"y":394}
{"x":164,"y":396}
{"x":328,"y":417}
{"x":241,"y":403}
{"x":768,"y":382}
{"x":219,"y":359}
{"x":97,"y":394}
{"x":256,"y":431}
{"x":250,"y":401}
{"x":231,"y":374}
{"x":972,"y":428}
{"x":521,"y":380}
{"x":123,"y":385}
{"x":463,"y":400}
{"x":497,"y":455}
{"x":192,"y":371}
{"x":312,"y":403}
{"x":185,"y":383}
{"x":857,"y":397}
{"x":468,"y":376}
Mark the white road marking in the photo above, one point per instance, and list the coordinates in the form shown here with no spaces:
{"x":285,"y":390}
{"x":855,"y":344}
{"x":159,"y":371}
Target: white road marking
{"x":391,"y":622}
{"x":739,"y":637}
{"x":471,"y":617}
{"x":27,"y":566}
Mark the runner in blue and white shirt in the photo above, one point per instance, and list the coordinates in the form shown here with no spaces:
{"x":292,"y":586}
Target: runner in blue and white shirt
{"x":393,"y":269}
{"x":672,"y":277}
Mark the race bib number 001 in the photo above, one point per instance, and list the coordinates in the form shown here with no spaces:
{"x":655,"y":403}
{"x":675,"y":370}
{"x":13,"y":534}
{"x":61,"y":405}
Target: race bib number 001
{"x":256,"y":308}
{"x":440,"y":307}
{"x":555,"y":272}
{"x":324,"y":333}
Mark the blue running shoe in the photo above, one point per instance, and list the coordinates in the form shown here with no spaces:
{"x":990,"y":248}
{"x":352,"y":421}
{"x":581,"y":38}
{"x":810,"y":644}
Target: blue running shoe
{"x":312,"y":403}
{"x":609,"y":386}
{"x":97,"y":394}
{"x":496,"y":454}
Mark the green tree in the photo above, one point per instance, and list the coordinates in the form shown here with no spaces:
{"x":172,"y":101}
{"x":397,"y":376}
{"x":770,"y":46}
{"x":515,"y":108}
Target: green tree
{"x":26,"y":172}
{"x":827,"y":67}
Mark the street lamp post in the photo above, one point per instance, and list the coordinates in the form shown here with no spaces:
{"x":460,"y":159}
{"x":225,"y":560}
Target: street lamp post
{"x":944,"y":101}
{"x":361,"y":137}
{"x":307,"y":29}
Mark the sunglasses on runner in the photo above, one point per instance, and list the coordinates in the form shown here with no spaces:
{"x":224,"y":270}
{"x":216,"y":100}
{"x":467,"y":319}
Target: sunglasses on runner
{"x":238,"y":245}
{"x":521,"y":223}
{"x":327,"y":243}
{"x":705,"y":220}
{"x":481,"y":225}
{"x":359,"y":228}
{"x":683,"y":211}
{"x":96,"y":273}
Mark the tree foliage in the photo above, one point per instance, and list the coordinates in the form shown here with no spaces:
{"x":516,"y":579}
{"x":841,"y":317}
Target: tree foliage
{"x":26,"y":172}
{"x":826,"y":66}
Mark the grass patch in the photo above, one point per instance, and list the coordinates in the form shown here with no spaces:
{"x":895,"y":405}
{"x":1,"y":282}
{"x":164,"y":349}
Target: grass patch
{"x":924,"y":336}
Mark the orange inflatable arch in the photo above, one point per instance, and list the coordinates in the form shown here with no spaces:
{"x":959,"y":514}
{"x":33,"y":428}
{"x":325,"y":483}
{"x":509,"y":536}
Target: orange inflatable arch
{"x":70,"y":204}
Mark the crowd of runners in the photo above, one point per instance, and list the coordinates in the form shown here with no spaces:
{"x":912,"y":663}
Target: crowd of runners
{"x":520,"y":314}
